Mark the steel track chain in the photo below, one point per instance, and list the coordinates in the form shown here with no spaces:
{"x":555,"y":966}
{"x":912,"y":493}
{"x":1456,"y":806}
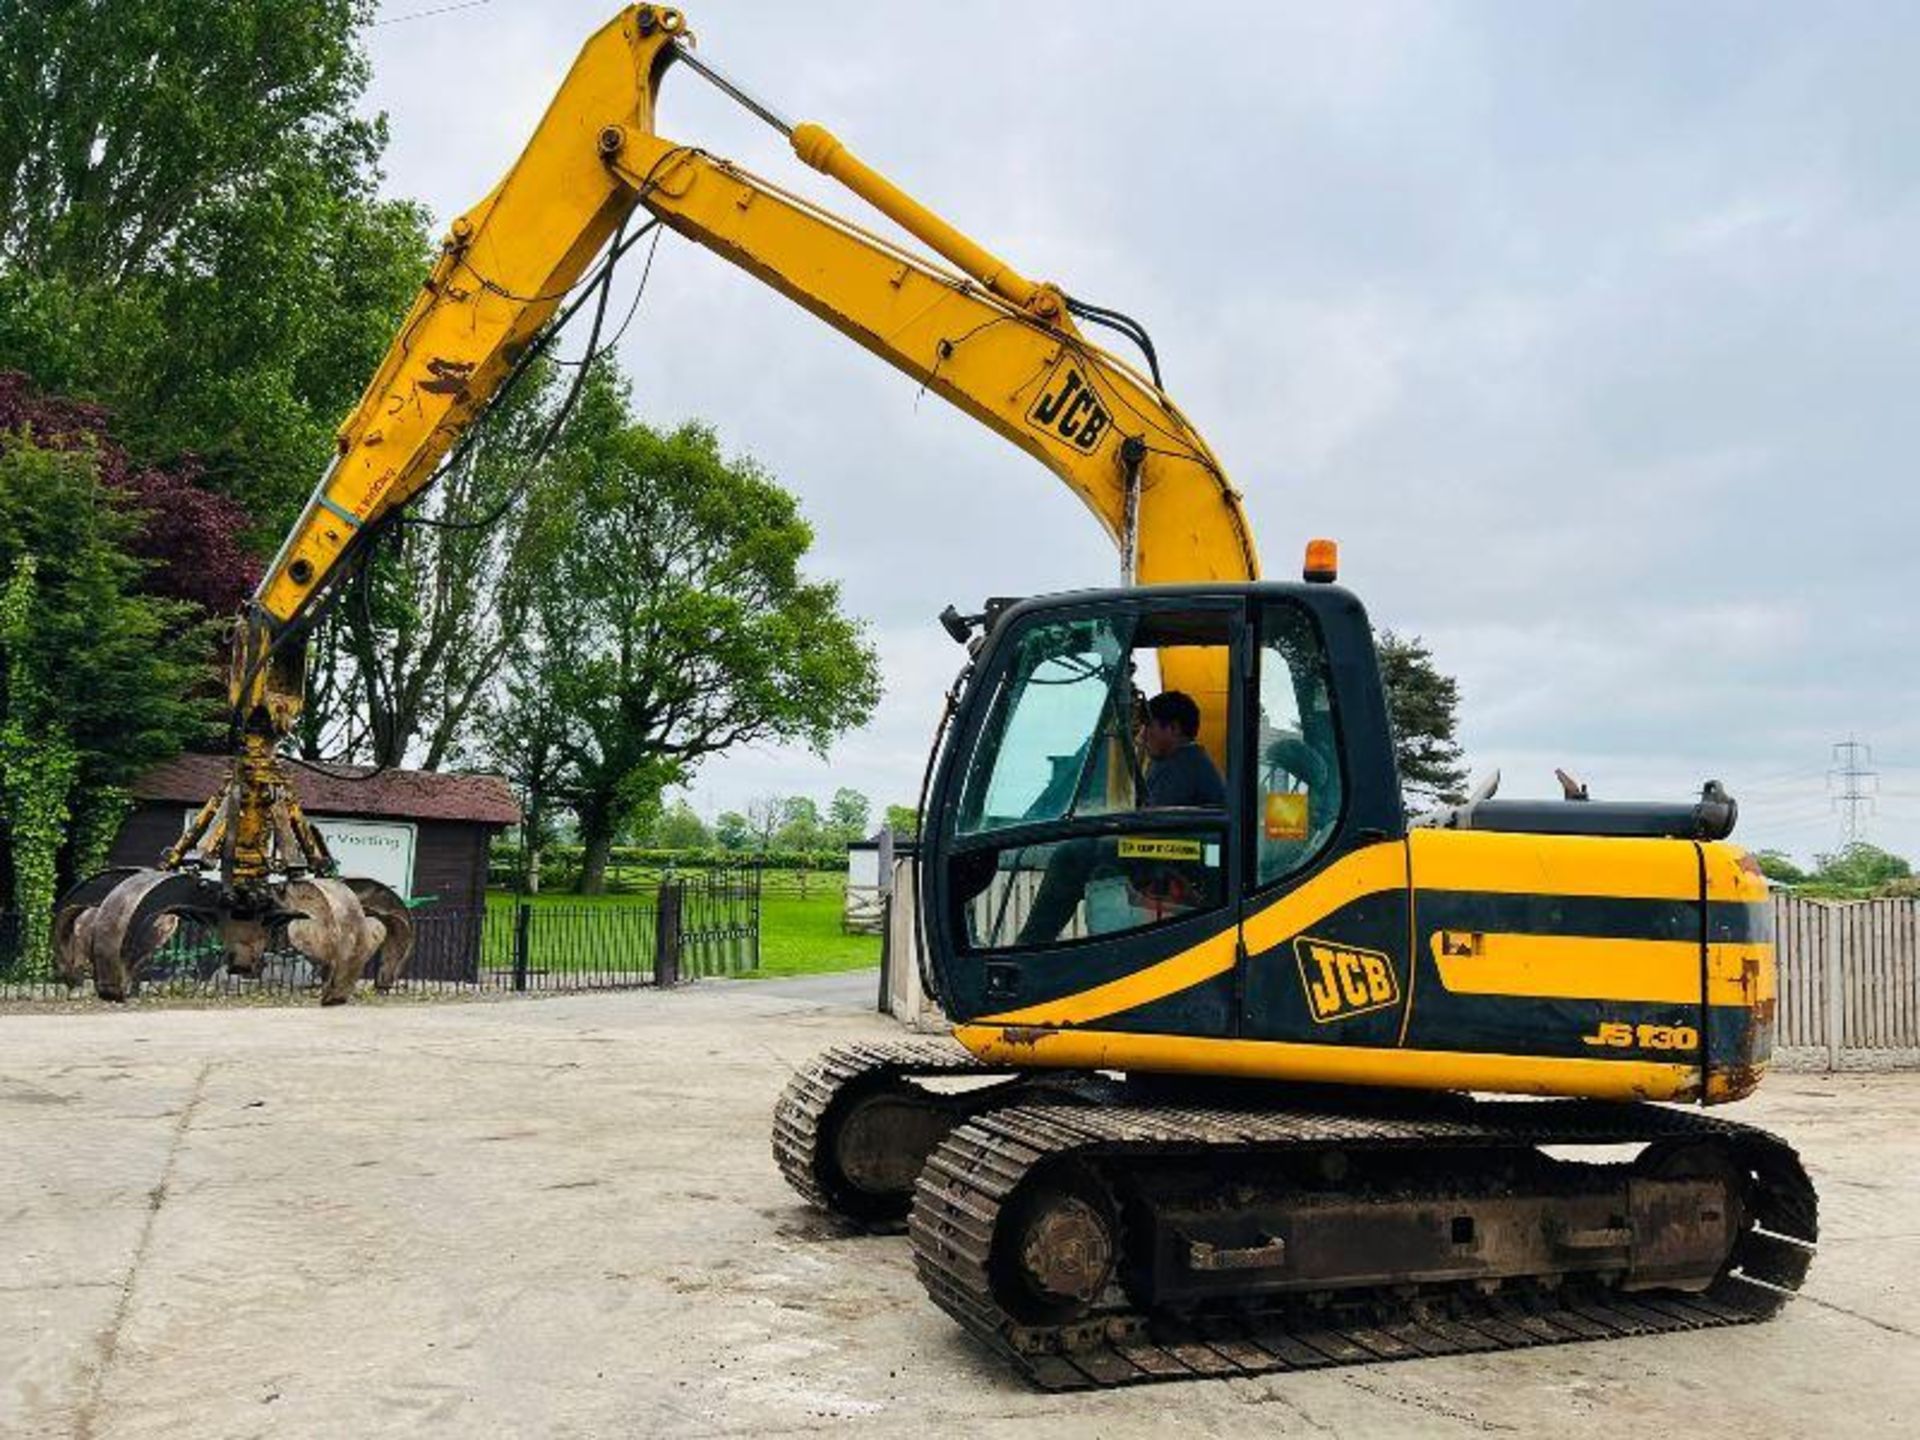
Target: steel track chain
{"x":981,"y":1165}
{"x":811,"y":1092}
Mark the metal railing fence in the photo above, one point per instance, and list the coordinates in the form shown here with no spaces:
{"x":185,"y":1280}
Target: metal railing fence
{"x":700,"y":924}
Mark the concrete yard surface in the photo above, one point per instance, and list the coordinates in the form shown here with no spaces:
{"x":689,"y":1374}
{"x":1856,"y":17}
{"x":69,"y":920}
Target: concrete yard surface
{"x":560,"y":1217}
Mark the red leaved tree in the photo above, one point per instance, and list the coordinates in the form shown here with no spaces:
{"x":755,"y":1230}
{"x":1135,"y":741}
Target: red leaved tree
{"x":193,"y":540}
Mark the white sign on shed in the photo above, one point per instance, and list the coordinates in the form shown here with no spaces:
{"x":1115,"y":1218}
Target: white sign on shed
{"x":378,"y":849}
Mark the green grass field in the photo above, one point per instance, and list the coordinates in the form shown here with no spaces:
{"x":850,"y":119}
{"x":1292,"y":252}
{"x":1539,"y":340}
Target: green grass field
{"x":797,"y":937}
{"x":803,"y":937}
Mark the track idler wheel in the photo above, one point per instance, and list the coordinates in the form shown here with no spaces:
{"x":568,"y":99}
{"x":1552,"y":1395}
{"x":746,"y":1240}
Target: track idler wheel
{"x":872,"y":1144}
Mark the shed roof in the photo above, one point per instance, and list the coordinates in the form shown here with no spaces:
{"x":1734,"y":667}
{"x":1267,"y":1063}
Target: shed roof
{"x":348,"y":790}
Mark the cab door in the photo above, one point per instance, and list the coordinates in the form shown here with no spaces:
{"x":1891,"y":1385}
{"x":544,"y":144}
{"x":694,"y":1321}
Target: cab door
{"x":1326,"y":906}
{"x":1060,"y":891}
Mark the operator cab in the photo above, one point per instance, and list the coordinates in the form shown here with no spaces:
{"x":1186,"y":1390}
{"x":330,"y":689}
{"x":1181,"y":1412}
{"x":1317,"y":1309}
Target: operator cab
{"x":1053,"y":863}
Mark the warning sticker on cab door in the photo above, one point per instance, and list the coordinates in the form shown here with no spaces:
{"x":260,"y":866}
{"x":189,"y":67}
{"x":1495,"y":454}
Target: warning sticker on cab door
{"x":1136,"y":847}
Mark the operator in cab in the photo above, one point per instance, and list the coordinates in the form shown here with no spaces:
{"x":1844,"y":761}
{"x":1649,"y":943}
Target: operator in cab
{"x":1181,"y":774}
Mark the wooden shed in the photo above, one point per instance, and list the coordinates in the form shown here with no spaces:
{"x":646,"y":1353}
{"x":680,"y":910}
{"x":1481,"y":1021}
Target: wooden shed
{"x":423,"y":833}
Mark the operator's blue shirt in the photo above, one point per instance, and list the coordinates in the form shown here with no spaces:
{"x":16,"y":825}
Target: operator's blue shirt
{"x":1186,"y":777}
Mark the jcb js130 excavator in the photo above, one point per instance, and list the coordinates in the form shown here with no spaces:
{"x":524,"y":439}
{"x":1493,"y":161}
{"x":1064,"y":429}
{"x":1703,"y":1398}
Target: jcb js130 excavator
{"x":1209,"y":1107}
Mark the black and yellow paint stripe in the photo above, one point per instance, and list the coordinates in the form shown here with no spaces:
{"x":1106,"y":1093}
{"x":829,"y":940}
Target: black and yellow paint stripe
{"x":1554,"y":866}
{"x":1512,"y":951}
{"x":1377,"y":868}
{"x":1588,"y":967}
{"x":1093,"y":1048}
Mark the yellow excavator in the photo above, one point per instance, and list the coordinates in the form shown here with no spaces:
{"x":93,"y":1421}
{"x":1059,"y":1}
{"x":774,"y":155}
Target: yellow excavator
{"x":1217,"y":1099}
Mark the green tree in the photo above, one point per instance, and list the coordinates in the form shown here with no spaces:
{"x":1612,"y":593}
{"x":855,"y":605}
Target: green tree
{"x":97,"y":680}
{"x":1424,"y":706}
{"x":640,"y":825}
{"x":731,"y":831}
{"x":1858,"y":869}
{"x":190,"y":229}
{"x":1779,"y":866}
{"x":800,"y":825}
{"x":693,"y":630}
{"x":101,"y":176}
{"x":849,"y":815}
{"x":402,"y":661}
{"x":765,"y":815}
{"x":37,"y":765}
{"x":681,"y":828}
{"x":524,"y":730}
{"x":904,"y":821}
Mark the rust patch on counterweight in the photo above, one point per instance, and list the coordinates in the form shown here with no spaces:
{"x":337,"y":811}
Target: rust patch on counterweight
{"x":1024,"y":1034}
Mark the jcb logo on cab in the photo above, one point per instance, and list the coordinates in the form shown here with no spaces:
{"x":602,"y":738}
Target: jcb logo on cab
{"x":1342,"y":981}
{"x":1070,"y":408}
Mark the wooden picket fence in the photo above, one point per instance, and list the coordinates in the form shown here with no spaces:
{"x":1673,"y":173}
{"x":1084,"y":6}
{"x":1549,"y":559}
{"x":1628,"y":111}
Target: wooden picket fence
{"x":1849,"y":981}
{"x":625,"y":877}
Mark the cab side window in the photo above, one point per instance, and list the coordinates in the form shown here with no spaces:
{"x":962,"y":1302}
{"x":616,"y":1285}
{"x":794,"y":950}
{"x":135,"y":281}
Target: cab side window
{"x":1059,"y":743}
{"x":1300,"y":787}
{"x":1115,"y":825}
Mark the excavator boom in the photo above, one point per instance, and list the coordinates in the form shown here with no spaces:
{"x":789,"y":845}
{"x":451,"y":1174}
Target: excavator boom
{"x":1002,"y":347}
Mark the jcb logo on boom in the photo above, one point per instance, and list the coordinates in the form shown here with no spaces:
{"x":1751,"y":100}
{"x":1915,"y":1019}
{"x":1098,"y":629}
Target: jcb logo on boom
{"x":1070,"y":408}
{"x":1341,"y":981}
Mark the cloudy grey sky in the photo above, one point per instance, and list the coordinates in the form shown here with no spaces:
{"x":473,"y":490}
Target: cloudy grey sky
{"x":1588,"y":329}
